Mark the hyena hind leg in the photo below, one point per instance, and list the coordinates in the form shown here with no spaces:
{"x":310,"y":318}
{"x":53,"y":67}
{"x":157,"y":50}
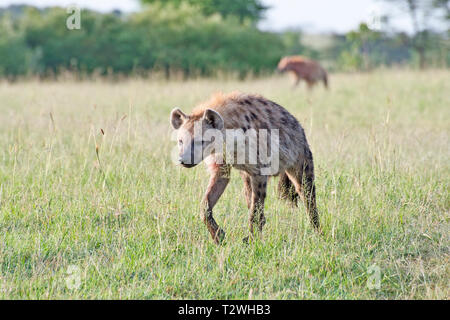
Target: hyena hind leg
{"x":247,"y":188}
{"x":286,"y":189}
{"x":302,"y":177}
{"x":256,"y":216}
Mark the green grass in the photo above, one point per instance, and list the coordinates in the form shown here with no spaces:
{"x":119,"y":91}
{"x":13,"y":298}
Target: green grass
{"x":131,"y":224}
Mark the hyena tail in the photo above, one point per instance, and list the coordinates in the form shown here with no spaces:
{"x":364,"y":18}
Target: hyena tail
{"x":286,"y":189}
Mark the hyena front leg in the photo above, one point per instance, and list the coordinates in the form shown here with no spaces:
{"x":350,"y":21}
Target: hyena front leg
{"x":256,"y":214}
{"x":217,"y":184}
{"x":296,"y":81}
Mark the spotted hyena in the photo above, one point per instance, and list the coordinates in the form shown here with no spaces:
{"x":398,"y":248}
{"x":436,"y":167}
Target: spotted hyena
{"x":303,"y":68}
{"x":245,"y":114}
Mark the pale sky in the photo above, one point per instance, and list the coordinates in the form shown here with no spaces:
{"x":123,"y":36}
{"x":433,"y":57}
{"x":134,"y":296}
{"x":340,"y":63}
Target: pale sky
{"x":326,"y":15}
{"x":311,"y":16}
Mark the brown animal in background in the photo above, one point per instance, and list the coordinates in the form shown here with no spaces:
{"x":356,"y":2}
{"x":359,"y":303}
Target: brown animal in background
{"x":246,"y":113}
{"x":304,"y":68}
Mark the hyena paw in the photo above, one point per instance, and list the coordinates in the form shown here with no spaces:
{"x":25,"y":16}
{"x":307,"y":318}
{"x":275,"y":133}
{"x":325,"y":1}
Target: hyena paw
{"x":220,"y":236}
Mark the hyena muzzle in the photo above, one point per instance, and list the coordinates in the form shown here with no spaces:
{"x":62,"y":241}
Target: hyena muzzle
{"x":245,"y":113}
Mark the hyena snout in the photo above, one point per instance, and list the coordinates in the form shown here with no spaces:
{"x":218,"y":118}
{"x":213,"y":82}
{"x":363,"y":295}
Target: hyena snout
{"x":190,"y":156}
{"x":187,"y":162}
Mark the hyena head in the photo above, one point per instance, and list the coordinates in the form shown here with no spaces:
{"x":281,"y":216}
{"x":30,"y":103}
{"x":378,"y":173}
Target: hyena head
{"x":283,"y":65}
{"x":287,"y":64}
{"x":197,"y":136}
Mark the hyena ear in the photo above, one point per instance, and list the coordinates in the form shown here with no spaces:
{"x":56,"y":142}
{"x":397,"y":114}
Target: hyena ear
{"x":213,"y":118}
{"x":177,"y":118}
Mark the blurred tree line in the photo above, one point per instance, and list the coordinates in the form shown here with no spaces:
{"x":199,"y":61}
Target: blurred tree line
{"x":188,"y":38}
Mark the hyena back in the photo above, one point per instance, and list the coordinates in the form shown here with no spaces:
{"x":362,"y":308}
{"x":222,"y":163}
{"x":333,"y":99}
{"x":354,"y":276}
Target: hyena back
{"x":247,"y":112}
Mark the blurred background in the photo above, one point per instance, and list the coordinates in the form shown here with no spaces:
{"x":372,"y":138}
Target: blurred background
{"x":207,"y":38}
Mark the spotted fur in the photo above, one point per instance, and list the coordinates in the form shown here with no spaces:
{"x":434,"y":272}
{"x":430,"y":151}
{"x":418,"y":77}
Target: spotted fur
{"x":296,"y":168}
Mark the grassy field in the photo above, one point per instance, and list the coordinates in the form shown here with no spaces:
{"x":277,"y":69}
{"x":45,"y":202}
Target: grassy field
{"x":126,"y":224}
